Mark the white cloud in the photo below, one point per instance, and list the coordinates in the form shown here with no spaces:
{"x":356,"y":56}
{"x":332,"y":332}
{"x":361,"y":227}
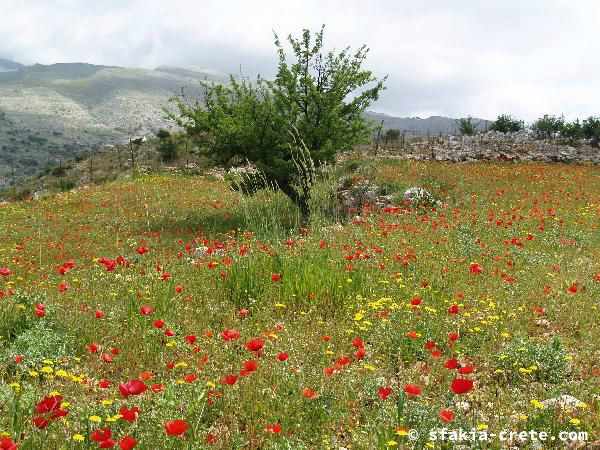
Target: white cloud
{"x":449,"y":58}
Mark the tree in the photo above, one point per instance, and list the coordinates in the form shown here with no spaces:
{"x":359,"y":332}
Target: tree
{"x":507,"y":124}
{"x":166,"y":146}
{"x":572,"y":131}
{"x":392,"y":135}
{"x":290,"y":126}
{"x":466,"y":126}
{"x":591,"y":128}
{"x":548,"y":126}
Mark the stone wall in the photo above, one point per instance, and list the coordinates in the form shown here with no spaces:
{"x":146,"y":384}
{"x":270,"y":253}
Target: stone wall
{"x":494,"y":146}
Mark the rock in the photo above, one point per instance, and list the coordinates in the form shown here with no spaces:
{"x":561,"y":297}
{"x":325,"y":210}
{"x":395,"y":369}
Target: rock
{"x":417,"y":196}
{"x":563,"y":402}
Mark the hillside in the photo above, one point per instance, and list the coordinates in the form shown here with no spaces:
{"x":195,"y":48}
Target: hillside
{"x":52,"y":113}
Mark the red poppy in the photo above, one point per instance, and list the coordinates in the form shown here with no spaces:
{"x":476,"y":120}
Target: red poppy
{"x":453,"y":336}
{"x":461,"y":385}
{"x":63,"y":287}
{"x":230,"y":380}
{"x":465,"y":370}
{"x":104,"y":384}
{"x":145,"y":310}
{"x":4,"y":271}
{"x":49,"y":404}
{"x":106,"y":358}
{"x":229,"y":335}
{"x":127,"y":443}
{"x":255,"y":345}
{"x":190,"y":339}
{"x":358,"y":343}
{"x":132,"y":387}
{"x":412,"y":334}
{"x":412,"y":389}
{"x":282,"y":356}
{"x":101,"y":435}
{"x":416,"y":301}
{"x":190,"y":378}
{"x":130,"y":415}
{"x":141,"y":250}
{"x":8,"y":444}
{"x":384,"y":392}
{"x":475,"y":268}
{"x":176,"y":427}
{"x":451,"y":364}
{"x":453,"y":309}
{"x":93,"y":348}
{"x":275,"y":277}
{"x":244,"y":312}
{"x":310,"y":393}
{"x":178,"y":289}
{"x":18,"y":359}
{"x":159,"y":323}
{"x":273,"y":428}
{"x":359,"y":354}
{"x":41,"y":422}
{"x":99,"y":314}
{"x":446,"y":415}
{"x":573,"y":289}
{"x":250,"y":366}
{"x":157,"y":388}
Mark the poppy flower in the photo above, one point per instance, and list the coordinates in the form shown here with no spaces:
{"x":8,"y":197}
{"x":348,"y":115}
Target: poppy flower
{"x":159,"y":323}
{"x":190,"y":378}
{"x":275,"y":277}
{"x":49,"y":404}
{"x":104,"y":384}
{"x":255,"y":345}
{"x":41,"y":422}
{"x":475,"y":268}
{"x":141,"y":250}
{"x":358,"y":343}
{"x":412,"y":334}
{"x":4,"y":271}
{"x":573,"y":289}
{"x":461,"y":385}
{"x":145,"y":310}
{"x":451,"y":364}
{"x":8,"y":444}
{"x":453,"y":336}
{"x":250,"y":366}
{"x":157,"y":388}
{"x":273,"y":428}
{"x":93,"y":348}
{"x":230,"y":380}
{"x":465,"y":370}
{"x":132,"y":387}
{"x":127,"y":443}
{"x":359,"y":354}
{"x":384,"y":392}
{"x":412,"y":389}
{"x":309,"y":393}
{"x":176,"y":427}
{"x":416,"y":301}
{"x":190,"y":339}
{"x":453,"y":309}
{"x":282,"y":356}
{"x":101,"y":434}
{"x":446,"y":415}
{"x":63,"y":287}
{"x":229,"y":335}
{"x":244,"y":312}
{"x":130,"y":415}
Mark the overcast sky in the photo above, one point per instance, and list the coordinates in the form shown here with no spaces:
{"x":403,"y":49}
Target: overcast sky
{"x":443,"y":57}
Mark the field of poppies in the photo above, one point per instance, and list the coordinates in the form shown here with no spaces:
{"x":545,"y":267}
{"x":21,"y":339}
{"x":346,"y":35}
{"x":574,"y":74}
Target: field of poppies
{"x":170,"y":312}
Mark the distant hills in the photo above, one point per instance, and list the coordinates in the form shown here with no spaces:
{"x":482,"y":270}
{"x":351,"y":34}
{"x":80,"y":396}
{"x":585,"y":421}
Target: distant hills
{"x":49,"y":113}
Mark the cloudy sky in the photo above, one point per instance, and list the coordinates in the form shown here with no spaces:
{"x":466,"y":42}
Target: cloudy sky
{"x":443,"y":57}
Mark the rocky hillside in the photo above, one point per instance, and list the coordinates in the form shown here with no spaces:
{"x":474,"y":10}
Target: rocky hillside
{"x":50,"y":113}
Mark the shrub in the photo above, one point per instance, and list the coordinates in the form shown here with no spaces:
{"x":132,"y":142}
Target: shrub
{"x":507,"y":124}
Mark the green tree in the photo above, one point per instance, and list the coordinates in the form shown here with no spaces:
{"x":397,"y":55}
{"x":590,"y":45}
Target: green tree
{"x":591,"y":128}
{"x":466,"y":126}
{"x":292,"y":125}
{"x":392,"y":135}
{"x":548,"y":126}
{"x":572,"y":131}
{"x":166,"y":145}
{"x":507,"y":124}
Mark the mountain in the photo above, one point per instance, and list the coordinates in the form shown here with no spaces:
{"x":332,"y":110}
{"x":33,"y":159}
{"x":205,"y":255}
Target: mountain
{"x":50,"y":113}
{"x":9,"y":66}
{"x":422,"y":127}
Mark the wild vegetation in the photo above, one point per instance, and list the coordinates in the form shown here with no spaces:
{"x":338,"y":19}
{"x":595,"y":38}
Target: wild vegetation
{"x":172,"y":312}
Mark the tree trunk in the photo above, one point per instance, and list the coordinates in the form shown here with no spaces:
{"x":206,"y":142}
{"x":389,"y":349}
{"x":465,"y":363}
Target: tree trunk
{"x":301,"y":201}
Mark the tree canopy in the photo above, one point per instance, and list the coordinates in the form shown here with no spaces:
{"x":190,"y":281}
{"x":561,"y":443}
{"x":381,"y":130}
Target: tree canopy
{"x":287,"y":127}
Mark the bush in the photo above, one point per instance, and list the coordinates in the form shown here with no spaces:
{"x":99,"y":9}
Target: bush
{"x":572,"y":131}
{"x":548,"y":126}
{"x":507,"y":124}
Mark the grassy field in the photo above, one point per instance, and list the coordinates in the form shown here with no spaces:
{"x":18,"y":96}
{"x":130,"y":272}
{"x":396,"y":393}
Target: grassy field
{"x":172,"y":312}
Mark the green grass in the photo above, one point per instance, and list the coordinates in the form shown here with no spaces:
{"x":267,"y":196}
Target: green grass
{"x":533,"y":229}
